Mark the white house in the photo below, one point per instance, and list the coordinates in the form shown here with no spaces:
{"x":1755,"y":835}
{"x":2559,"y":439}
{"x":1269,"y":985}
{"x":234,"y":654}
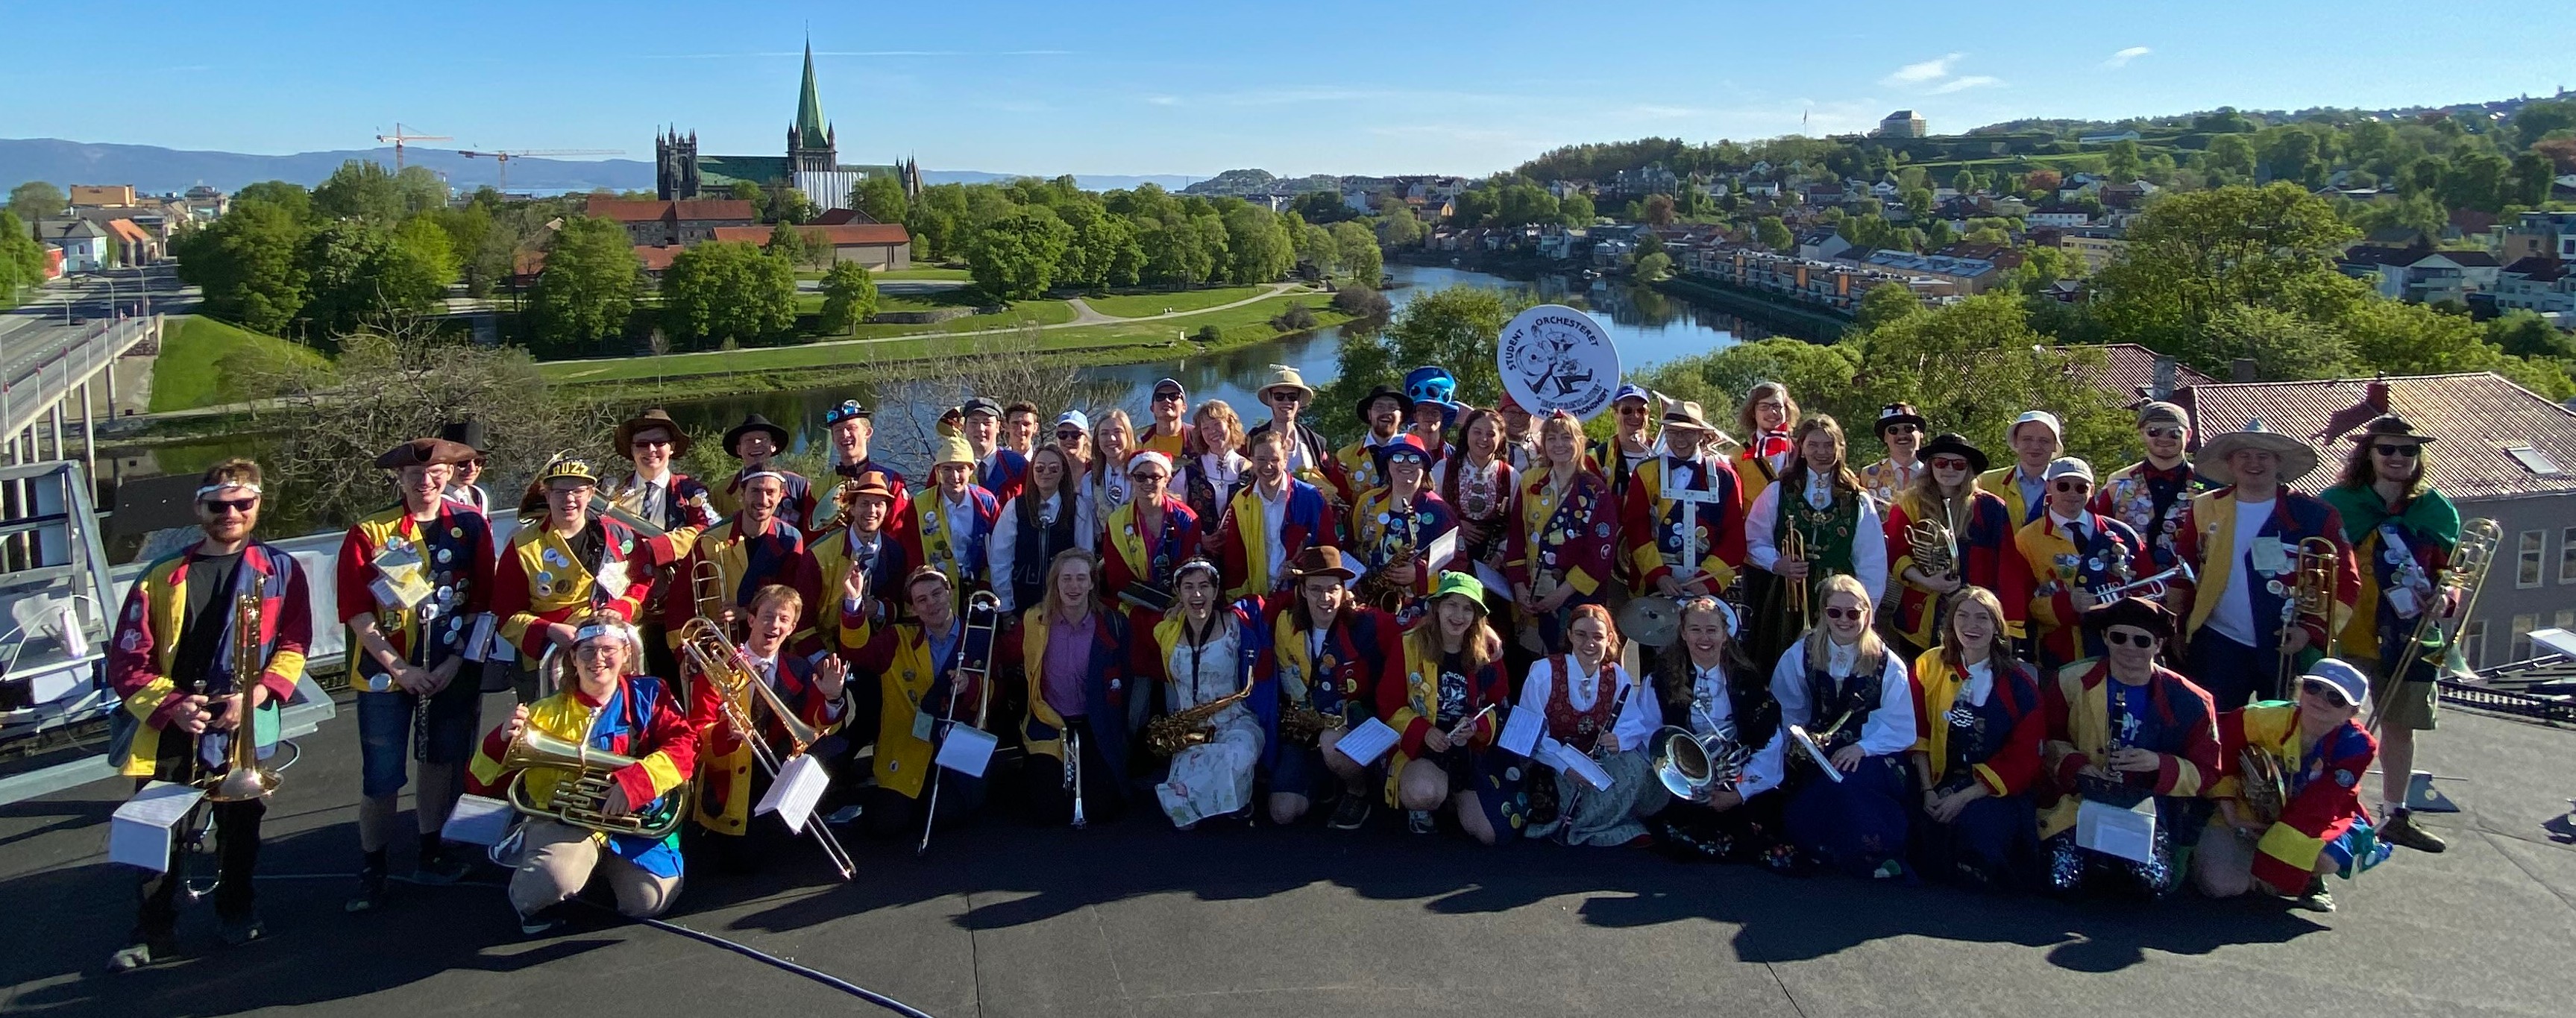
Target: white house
{"x":2539,"y":284}
{"x":83,"y":244}
{"x":2062,"y":216}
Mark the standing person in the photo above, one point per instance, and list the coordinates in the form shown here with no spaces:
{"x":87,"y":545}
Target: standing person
{"x":1363,"y":462}
{"x":2073,"y":553}
{"x":1561,"y":549}
{"x":1900,"y":429}
{"x":171,"y":666}
{"x":1169,"y":407}
{"x":953,"y":520}
{"x":1478,"y":485}
{"x":1982,"y":550}
{"x":757,"y":442}
{"x":2149,"y":495}
{"x":2123,"y":729}
{"x":677,"y":503}
{"x":1150,"y":536}
{"x":412,"y":582}
{"x":1020,"y":427}
{"x":1842,"y":685}
{"x":1310,"y":458}
{"x":1112,"y":442}
{"x":1593,"y":708}
{"x":1447,"y":712}
{"x":1430,"y":390}
{"x":754,"y":549}
{"x":1632,"y":438}
{"x":1977,"y":725}
{"x":1074,"y":653}
{"x":1520,"y":432}
{"x":1766,"y":418}
{"x":853,"y":427}
{"x":2036,"y":438}
{"x":1048,"y":517}
{"x":865,"y":541}
{"x":2320,"y":753}
{"x":1327,"y":652}
{"x":1215,"y":463}
{"x":1817,"y":499}
{"x":1707,"y":686}
{"x":921,"y":676}
{"x":1394,"y":527}
{"x":998,"y":468}
{"x":566,"y":564}
{"x":2244,"y":542}
{"x":606,"y":706}
{"x":1200,"y":654}
{"x":1268,"y":523}
{"x":2396,"y":521}
{"x":1654,"y":520}
{"x":811,"y":687}
{"x":1073,"y":435}
{"x":466,"y":485}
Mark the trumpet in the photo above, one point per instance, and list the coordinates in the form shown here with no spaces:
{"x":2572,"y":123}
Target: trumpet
{"x":580,"y":798}
{"x":715,"y":657}
{"x":1814,"y":745}
{"x":1073,"y":774}
{"x":2312,"y":598}
{"x":245,"y":780}
{"x":1793,"y":545}
{"x":2150,"y":587}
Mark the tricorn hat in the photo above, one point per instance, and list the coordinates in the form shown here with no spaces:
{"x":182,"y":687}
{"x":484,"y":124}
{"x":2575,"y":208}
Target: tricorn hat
{"x":2132,"y":611}
{"x":422,"y":452}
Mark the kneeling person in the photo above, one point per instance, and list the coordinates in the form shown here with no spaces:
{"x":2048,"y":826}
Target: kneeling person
{"x":1446,"y":709}
{"x":731,"y":782}
{"x":2312,"y":823}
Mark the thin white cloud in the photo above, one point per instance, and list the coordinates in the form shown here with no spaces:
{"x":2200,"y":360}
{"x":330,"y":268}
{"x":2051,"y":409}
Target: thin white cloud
{"x":1966,"y":82}
{"x":1164,"y":100}
{"x":1927,"y":71}
{"x":2121,"y":59}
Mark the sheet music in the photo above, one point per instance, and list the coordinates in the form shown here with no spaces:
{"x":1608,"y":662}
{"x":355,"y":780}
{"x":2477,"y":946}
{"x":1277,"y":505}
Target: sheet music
{"x":1441,"y":551}
{"x":1566,"y":758}
{"x":966,"y":750}
{"x":1367,"y":741}
{"x":478,"y":820}
{"x":2127,"y":833}
{"x":1520,"y":731}
{"x":800,"y":785}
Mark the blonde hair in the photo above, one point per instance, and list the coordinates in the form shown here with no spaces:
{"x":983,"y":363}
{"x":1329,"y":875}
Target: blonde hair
{"x":236,"y":470}
{"x":1100,"y":450}
{"x":1225,"y":415}
{"x":1572,"y":427}
{"x":777,"y":593}
{"x":1873,"y":651}
{"x":1055,"y":571}
{"x":2000,"y":651}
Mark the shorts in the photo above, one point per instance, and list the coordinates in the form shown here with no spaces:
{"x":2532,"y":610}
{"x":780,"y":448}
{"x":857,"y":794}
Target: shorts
{"x":385,"y":732}
{"x":1299,"y":771}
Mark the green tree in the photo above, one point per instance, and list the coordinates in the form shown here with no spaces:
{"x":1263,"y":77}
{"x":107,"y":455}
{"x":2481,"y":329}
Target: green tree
{"x":2529,"y":182}
{"x":1659,"y":210}
{"x":1322,"y":208}
{"x":421,"y":188}
{"x":1456,"y":326}
{"x":248,"y":265}
{"x":1314,"y":245}
{"x":2520,"y":332}
{"x":361,"y":189}
{"x":1399,"y":228}
{"x":19,"y":252}
{"x":2192,"y":255}
{"x":429,"y":245}
{"x":1184,"y":250}
{"x":2123,"y":162}
{"x":1918,"y":202}
{"x":1017,"y":257}
{"x":728,"y":294}
{"x":2231,"y":154}
{"x":849,"y":297}
{"x":1257,"y":248}
{"x":1653,"y":266}
{"x":2476,"y":181}
{"x":36,"y":200}
{"x":1358,"y":253}
{"x":1774,"y":234}
{"x":882,"y":198}
{"x":359,"y":273}
{"x":293,"y":198}
{"x":1819,"y":374}
{"x":1105,"y":250}
{"x":1972,"y":366}
{"x":588,"y":287}
{"x":1577,"y":209}
{"x":2279,"y":345}
{"x":1885,"y":303}
{"x":2537,"y":120}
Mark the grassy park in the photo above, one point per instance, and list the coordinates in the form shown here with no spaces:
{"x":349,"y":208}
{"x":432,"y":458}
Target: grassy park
{"x":186,"y":375}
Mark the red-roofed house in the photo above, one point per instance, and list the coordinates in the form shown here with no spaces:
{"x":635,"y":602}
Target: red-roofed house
{"x":684,"y":223}
{"x":879,"y":246}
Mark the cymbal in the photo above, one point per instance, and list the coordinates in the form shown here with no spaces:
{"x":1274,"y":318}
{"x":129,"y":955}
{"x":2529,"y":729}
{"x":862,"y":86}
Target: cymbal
{"x":1651,"y":621}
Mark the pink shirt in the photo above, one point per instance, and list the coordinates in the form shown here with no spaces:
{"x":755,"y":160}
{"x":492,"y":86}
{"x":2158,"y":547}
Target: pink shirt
{"x":1067,"y":665}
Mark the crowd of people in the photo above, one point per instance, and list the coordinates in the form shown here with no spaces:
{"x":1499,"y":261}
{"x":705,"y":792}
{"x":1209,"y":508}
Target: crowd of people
{"x":1928,"y":667}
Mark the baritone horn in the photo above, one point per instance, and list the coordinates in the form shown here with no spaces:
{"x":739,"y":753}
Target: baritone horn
{"x":2311,"y":598}
{"x":1696,"y":768}
{"x":580,"y":795}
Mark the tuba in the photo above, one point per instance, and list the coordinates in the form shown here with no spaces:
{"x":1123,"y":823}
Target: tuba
{"x":245,"y":780}
{"x":580,"y":797}
{"x":716,"y":659}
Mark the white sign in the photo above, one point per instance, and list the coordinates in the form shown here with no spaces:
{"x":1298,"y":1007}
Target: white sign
{"x":1554,"y":357}
{"x":138,"y":834}
{"x":2127,"y":833}
{"x":799,"y":786}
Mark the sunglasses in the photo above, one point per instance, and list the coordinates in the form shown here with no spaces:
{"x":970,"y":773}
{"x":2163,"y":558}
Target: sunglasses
{"x":1903,"y":429}
{"x":648,"y":443}
{"x":2073,"y":486}
{"x":1143,"y":477}
{"x":1167,"y":397}
{"x":218,"y":506}
{"x":1853,"y":614}
{"x":2164,"y":432}
{"x":1068,"y":435}
{"x":2320,"y":687}
{"x":2126,"y":638}
{"x":2398,"y":452}
{"x":1949,"y":463}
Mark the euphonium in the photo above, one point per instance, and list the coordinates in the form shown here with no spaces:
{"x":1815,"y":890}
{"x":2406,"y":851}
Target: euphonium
{"x":245,"y":780}
{"x":1695,"y":768}
{"x":580,"y":797}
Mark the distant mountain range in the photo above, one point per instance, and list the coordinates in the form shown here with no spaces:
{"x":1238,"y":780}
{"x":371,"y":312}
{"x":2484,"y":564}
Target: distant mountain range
{"x":157,"y":170}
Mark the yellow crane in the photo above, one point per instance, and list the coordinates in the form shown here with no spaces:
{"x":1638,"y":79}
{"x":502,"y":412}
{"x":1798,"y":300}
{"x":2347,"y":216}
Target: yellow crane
{"x":402,"y":135}
{"x":503,"y":157}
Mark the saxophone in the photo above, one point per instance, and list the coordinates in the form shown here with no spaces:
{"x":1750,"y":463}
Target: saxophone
{"x":1174,"y":732}
{"x":1300,"y":724}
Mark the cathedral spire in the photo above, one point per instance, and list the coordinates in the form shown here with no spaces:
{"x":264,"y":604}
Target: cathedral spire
{"x":811,"y":132}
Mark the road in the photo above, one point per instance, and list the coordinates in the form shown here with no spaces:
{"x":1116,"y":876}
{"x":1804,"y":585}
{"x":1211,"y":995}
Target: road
{"x":36,"y":333}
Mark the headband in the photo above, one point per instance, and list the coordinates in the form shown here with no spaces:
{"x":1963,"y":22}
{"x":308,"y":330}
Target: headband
{"x":1195,"y":563}
{"x":758,"y":474}
{"x":1148,"y":456}
{"x":227,"y":485}
{"x":596,"y":630}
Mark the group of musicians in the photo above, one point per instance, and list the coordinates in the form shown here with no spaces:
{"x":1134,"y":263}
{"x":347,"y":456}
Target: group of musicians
{"x":1925,"y":667}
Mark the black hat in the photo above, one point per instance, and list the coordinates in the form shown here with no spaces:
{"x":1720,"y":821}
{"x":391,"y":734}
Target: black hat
{"x":981,"y":405}
{"x":2388,"y":426}
{"x":755,"y":422}
{"x":657,"y":417}
{"x":422,"y":452}
{"x":1952,"y":443}
{"x":1402,"y":402}
{"x":2132,"y":611}
{"x":848,"y":408}
{"x":467,"y":433}
{"x":1898,"y":413}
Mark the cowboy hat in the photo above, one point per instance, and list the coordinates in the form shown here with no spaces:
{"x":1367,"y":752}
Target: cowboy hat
{"x":656,"y":417}
{"x":2388,"y":426}
{"x":1284,"y":377}
{"x":1321,"y":560}
{"x":2296,"y":458}
{"x":754,"y":422}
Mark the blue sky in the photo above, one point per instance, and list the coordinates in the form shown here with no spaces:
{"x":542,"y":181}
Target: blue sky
{"x":1313,"y":87}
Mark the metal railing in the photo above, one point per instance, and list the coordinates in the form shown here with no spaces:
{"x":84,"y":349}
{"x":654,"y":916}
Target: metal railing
{"x":26,"y":399}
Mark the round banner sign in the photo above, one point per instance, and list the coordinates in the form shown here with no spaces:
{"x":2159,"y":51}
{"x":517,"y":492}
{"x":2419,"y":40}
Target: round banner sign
{"x":1554,"y":357}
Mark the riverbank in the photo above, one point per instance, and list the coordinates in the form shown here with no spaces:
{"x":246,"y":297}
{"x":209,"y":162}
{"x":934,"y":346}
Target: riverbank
{"x":1820,"y":325}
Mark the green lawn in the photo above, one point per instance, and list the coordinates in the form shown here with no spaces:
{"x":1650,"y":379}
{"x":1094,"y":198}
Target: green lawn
{"x":1139,"y":305}
{"x":185,"y":376}
{"x":923,"y":272}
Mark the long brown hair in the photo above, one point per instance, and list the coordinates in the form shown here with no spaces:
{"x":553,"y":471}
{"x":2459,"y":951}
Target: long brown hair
{"x":1744,"y":414}
{"x":1999,"y":655}
{"x":1920,"y":497}
{"x":1609,"y":652}
{"x":1794,"y":476}
{"x":1482,"y":646}
{"x":1672,"y":668}
{"x":2360,"y":472}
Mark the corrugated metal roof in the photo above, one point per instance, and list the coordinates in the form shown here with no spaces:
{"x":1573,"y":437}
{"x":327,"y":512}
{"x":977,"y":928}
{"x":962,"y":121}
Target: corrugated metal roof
{"x":2477,"y":418}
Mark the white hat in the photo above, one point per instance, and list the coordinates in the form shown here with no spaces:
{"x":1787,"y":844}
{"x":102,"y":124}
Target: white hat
{"x":2055,"y":427}
{"x":2345,"y":678}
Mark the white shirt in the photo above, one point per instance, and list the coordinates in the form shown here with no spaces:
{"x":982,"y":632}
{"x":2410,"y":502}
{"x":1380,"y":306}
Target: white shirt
{"x":1716,"y":712}
{"x":2235,"y":615}
{"x":1274,"y":513}
{"x":1637,"y":720}
{"x":1223,"y":474}
{"x":1890,"y":728}
{"x":656,"y":492}
{"x":2069,"y":526}
{"x":1980,"y":683}
{"x":1869,"y":557}
{"x":959,"y":518}
{"x":1002,"y":551}
{"x":1471,"y":480}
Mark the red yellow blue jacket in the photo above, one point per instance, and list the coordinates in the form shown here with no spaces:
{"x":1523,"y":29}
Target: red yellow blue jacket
{"x":797,"y":503}
{"x":2428,"y":527}
{"x":1571,"y":534}
{"x":2208,"y":537}
{"x":1105,"y":686}
{"x":1379,"y":534}
{"x":724,"y":775}
{"x":1132,"y":555}
{"x":2057,"y":567}
{"x":541,"y":581}
{"x":2014,"y":767}
{"x":2150,"y":500}
{"x":1993,"y":561}
{"x":1242,"y":536}
{"x":2078,"y":707}
{"x":926,"y":538}
{"x":641,"y":719}
{"x":1759,"y":463}
{"x":141,"y":661}
{"x":2324,"y":793}
{"x":1359,"y":648}
{"x":1650,"y":523}
{"x":1410,"y":699}
{"x":455,"y":558}
{"x":1362,"y":467}
{"x":907,"y":680}
{"x":744,"y":563}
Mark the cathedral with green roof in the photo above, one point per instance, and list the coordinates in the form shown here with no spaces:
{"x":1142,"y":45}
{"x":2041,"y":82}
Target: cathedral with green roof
{"x":812,"y":164}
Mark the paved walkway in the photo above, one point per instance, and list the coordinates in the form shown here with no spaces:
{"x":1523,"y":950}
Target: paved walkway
{"x":1132,"y":918}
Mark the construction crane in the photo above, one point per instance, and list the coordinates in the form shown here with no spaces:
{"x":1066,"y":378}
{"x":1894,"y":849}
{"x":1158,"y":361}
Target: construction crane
{"x":400,"y":136}
{"x":504,"y":157}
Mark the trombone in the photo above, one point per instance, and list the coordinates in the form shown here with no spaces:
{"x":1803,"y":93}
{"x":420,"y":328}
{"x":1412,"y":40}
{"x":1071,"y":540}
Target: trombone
{"x":2430,"y":643}
{"x":974,"y":659}
{"x":706,"y":588}
{"x":2311,"y":598}
{"x":715,"y":658}
{"x":245,"y":780}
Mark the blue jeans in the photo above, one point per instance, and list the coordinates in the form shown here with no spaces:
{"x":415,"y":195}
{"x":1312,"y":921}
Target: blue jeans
{"x":386,"y":734}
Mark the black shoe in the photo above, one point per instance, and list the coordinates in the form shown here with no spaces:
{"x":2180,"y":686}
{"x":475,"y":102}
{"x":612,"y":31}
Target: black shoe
{"x":371,"y":884}
{"x":438,"y":865}
{"x":1351,"y":813}
{"x":150,"y":951}
{"x":244,"y":930}
{"x":2402,"y":832}
{"x":2317,"y":898}
{"x":544,"y":920}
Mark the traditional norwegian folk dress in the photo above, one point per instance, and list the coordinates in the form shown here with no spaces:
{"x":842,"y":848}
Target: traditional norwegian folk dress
{"x":1742,"y":708}
{"x":1213,"y":778}
{"x":1857,"y":824}
{"x":1578,"y":708}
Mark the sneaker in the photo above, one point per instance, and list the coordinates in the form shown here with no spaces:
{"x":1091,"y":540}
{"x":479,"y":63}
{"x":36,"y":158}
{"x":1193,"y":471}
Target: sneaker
{"x":151,"y":951}
{"x":543,"y":921}
{"x":371,"y":885}
{"x":438,"y":865}
{"x":243,"y":931}
{"x":2317,"y":898}
{"x":1420,"y":821}
{"x":1351,"y":813}
{"x":844,"y":816}
{"x":2402,"y":832}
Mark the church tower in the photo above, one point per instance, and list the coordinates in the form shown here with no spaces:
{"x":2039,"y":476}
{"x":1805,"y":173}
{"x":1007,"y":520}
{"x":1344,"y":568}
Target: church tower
{"x":811,"y":144}
{"x":675,"y":165}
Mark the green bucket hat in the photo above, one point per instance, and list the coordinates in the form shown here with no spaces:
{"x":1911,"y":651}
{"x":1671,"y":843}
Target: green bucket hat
{"x":1462,"y":584}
